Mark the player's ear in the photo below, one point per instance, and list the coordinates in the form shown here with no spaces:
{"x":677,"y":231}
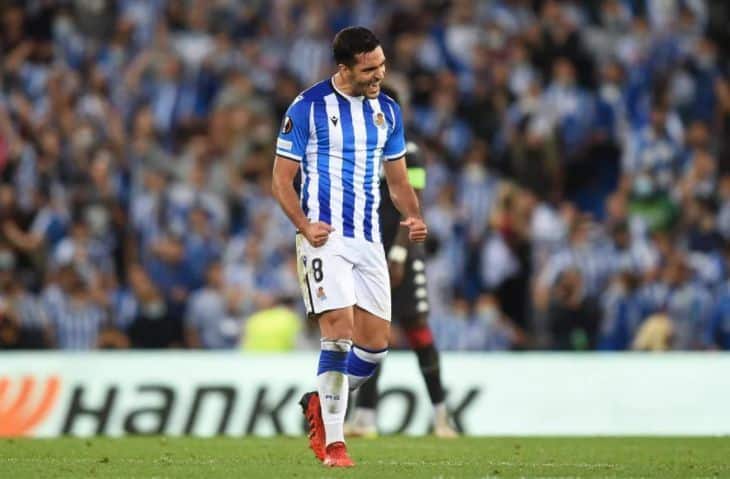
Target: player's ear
{"x":343,"y":69}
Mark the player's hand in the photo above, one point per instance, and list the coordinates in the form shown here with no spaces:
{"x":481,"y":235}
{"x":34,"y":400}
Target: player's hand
{"x":417,"y":229}
{"x":317,"y":233}
{"x":397,"y":271}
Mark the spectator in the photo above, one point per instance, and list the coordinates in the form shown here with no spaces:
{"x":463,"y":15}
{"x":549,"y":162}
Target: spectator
{"x":213,"y":319}
{"x":572,"y":314}
{"x":154,"y":324}
{"x":76,"y":318}
{"x":274,"y":329}
{"x":23,"y":323}
{"x":656,"y":334}
{"x":622,"y":313}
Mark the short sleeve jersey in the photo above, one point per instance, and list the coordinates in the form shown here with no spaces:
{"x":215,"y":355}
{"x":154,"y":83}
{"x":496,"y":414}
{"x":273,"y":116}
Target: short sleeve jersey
{"x":341,"y":142}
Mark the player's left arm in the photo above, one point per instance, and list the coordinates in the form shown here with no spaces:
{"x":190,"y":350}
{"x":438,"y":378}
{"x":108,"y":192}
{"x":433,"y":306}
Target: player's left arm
{"x":405,"y":199}
{"x":401,"y":248}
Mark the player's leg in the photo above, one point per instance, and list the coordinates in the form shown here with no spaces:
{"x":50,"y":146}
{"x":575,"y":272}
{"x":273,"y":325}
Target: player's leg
{"x":336,"y":327}
{"x":328,"y":291}
{"x":421,"y":342}
{"x":369,"y":348}
{"x":367,"y":393}
{"x":371,"y":328}
{"x":420,"y":339}
{"x":363,"y":422}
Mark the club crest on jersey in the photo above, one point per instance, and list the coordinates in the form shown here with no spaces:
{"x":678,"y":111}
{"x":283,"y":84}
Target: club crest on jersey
{"x":320,"y":293}
{"x":286,"y":125}
{"x":379,"y":119}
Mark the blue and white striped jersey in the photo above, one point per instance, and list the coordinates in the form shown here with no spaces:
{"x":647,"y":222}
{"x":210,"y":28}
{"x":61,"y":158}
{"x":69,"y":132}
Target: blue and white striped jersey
{"x":341,"y":142}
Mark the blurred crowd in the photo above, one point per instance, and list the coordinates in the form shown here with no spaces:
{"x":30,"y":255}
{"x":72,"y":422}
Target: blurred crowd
{"x":578,"y":158}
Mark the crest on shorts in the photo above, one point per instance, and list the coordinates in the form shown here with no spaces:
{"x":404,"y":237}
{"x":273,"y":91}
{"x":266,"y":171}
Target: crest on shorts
{"x":286,"y":125}
{"x":379,"y":119}
{"x":320,"y":293}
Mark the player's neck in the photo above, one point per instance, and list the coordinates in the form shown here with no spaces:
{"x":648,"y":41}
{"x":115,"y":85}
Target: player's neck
{"x":343,"y":86}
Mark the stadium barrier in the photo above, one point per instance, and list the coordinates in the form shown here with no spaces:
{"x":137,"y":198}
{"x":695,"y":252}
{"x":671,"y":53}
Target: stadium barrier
{"x":176,"y":393}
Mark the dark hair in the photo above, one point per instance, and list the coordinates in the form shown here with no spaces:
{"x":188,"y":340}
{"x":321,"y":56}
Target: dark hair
{"x":352,"y":41}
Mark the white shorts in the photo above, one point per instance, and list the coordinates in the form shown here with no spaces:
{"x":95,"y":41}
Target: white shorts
{"x":342,"y":273}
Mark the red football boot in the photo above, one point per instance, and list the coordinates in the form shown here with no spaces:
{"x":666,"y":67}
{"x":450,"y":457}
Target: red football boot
{"x":313,"y":414}
{"x":336,"y":456}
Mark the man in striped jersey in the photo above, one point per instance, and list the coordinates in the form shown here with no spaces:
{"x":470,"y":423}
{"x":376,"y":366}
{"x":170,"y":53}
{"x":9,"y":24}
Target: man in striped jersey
{"x":339,"y":133}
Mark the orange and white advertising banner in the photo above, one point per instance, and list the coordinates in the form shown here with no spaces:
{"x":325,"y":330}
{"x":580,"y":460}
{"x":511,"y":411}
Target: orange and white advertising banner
{"x":203,"y":394}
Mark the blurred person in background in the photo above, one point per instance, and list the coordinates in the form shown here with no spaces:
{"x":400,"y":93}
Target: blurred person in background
{"x":506,"y":256}
{"x":203,"y":245}
{"x":451,"y":333}
{"x":20,"y":230}
{"x":445,"y":246}
{"x":152,"y":323}
{"x":23,"y":323}
{"x":572,"y":315}
{"x":148,"y":214}
{"x":531,"y":150}
{"x":689,"y":304}
{"x":489,"y":329}
{"x":622,"y":312}
{"x":274,"y":329}
{"x":650,"y":165}
{"x":103,"y":205}
{"x":686,"y":302}
{"x":655,"y":334}
{"x":76,"y":318}
{"x":583,"y":254}
{"x":571,"y":112}
{"x":477,"y":188}
{"x":170,"y":271}
{"x":214,"y":318}
{"x":90,"y":254}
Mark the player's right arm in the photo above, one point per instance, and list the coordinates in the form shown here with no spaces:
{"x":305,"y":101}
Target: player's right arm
{"x":290,"y":149}
{"x":283,"y":190}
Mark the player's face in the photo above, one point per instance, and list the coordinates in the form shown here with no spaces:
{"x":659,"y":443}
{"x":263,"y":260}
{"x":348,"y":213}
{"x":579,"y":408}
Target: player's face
{"x":367,"y":73}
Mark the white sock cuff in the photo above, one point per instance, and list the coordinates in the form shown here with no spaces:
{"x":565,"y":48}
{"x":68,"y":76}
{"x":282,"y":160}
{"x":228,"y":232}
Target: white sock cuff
{"x":369,"y":356}
{"x":340,"y":345}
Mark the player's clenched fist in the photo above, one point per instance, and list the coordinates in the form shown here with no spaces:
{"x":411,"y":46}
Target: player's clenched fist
{"x":317,"y":233}
{"x":417,"y":229}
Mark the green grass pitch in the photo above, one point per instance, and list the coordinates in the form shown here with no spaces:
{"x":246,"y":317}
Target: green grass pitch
{"x":385,"y":457}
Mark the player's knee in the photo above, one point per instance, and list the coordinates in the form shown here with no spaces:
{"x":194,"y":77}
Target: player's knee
{"x":336,"y":325}
{"x":374,"y":343}
{"x":375,"y":338}
{"x":338,"y":331}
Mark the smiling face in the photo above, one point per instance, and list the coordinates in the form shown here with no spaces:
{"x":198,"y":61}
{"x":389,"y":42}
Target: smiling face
{"x":365,"y":76}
